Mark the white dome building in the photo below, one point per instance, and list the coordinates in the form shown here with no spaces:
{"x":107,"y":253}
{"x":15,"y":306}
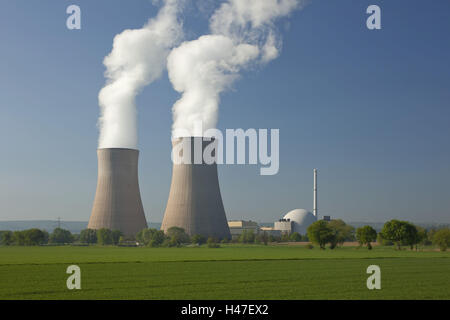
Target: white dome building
{"x":301,"y":219}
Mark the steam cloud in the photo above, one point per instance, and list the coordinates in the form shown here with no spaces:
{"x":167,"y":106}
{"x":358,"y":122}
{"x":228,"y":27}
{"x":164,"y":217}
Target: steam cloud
{"x":138,"y":58}
{"x":242,"y":34}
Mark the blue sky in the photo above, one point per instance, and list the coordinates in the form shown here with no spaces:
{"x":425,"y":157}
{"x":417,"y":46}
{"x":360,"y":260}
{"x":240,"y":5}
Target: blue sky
{"x":369,"y":109}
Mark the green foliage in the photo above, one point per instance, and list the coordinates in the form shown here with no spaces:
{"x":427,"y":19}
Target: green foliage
{"x":262,"y":238}
{"x":177,"y":236}
{"x":198,"y":239}
{"x":88,"y":236}
{"x":441,"y":238}
{"x":382,"y":241}
{"x":104,"y":237}
{"x":6,"y":238}
{"x":116,"y":234}
{"x":30,"y":237}
{"x":247,"y":236}
{"x":320,"y":233}
{"x":401,"y":233}
{"x":285,"y":237}
{"x":60,"y":236}
{"x":151,"y":237}
{"x":295,"y":236}
{"x":212,"y":243}
{"x":365,"y":235}
{"x":342,"y":232}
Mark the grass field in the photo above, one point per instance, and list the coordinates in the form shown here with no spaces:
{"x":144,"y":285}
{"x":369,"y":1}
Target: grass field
{"x":229,"y":272}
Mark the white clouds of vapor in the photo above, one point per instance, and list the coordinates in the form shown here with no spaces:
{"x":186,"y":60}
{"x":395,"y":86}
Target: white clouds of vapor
{"x":242,"y":34}
{"x":138,"y":57}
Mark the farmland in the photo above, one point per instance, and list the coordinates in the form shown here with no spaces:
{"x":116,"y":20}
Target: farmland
{"x":230,"y":272}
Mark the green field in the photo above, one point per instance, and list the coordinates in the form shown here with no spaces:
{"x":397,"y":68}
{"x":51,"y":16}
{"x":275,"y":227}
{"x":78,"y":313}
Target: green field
{"x":229,"y":272}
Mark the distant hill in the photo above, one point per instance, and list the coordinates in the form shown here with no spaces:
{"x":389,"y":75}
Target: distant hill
{"x":77,"y":226}
{"x":49,"y":225}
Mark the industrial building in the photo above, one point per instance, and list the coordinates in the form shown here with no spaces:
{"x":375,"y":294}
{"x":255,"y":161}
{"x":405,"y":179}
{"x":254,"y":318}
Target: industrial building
{"x":298,"y":220}
{"x":117,"y":203}
{"x":237,"y":227}
{"x":195,"y":203}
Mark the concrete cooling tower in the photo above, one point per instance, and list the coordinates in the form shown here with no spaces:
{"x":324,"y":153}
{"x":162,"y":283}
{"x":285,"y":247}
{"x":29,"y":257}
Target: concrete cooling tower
{"x":117,"y":204}
{"x":195,"y":203}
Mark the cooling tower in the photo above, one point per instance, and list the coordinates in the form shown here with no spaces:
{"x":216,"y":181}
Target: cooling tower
{"x":117,"y":204}
{"x":195,"y":203}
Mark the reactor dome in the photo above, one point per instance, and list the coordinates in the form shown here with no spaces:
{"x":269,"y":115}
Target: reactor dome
{"x":302,"y":220}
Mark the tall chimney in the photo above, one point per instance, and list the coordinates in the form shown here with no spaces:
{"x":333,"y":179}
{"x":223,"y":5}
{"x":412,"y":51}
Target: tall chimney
{"x":195,"y":203}
{"x":117,"y":204}
{"x":315,"y":194}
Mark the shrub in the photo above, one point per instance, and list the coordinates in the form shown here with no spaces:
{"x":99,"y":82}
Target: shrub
{"x":212,"y":243}
{"x":442,"y":238}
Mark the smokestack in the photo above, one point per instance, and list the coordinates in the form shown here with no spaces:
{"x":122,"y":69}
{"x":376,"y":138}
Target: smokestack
{"x":315,"y":194}
{"x":117,"y":204}
{"x":195,"y":203}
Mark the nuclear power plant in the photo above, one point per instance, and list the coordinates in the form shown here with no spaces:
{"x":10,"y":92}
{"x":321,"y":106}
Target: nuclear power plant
{"x":195,"y":203}
{"x":117,"y":204}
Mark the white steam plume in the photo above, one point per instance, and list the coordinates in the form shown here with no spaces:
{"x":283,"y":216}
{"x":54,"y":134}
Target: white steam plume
{"x":138,"y":58}
{"x":242,"y":34}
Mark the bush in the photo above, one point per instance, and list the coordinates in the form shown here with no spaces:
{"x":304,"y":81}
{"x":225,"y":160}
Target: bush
{"x":116,"y":235}
{"x":6,"y":238}
{"x":151,"y":237}
{"x":295,"y":237}
{"x":88,"y":236}
{"x":198,"y":239}
{"x":441,"y":238}
{"x":212,"y":243}
{"x":104,"y":237}
{"x":177,"y":236}
{"x":61,"y":236}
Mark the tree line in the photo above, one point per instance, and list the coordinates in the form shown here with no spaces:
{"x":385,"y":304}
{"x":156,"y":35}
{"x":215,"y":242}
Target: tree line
{"x":321,"y":233}
{"x":394,"y":232}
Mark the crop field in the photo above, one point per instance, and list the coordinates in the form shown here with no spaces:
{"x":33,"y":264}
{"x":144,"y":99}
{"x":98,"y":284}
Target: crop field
{"x":229,"y":272}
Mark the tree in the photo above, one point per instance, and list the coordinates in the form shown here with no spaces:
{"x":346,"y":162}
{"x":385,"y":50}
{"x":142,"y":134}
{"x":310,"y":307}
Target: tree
{"x":247,"y":236}
{"x":30,"y":237}
{"x":88,"y":236}
{"x":116,"y":234}
{"x":342,"y":231}
{"x":104,"y":237}
{"x":441,"y":238}
{"x":366,"y":235}
{"x":409,"y":234}
{"x":6,"y":238}
{"x":198,"y":239}
{"x":400,"y":232}
{"x":177,"y":236}
{"x":295,"y":236}
{"x":61,"y":236}
{"x":212,"y":243}
{"x":262,"y":238}
{"x":320,"y":233}
{"x":284,"y":237}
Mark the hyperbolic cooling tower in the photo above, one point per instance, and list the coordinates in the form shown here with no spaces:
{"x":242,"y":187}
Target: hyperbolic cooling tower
{"x":195,"y":203}
{"x":117,"y":204}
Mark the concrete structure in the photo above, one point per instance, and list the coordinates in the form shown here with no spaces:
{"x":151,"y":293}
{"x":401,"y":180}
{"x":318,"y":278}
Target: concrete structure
{"x":270,"y":231}
{"x":284,"y":226}
{"x":117,"y":204}
{"x":301,"y":220}
{"x":238,"y":226}
{"x":195,"y":203}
